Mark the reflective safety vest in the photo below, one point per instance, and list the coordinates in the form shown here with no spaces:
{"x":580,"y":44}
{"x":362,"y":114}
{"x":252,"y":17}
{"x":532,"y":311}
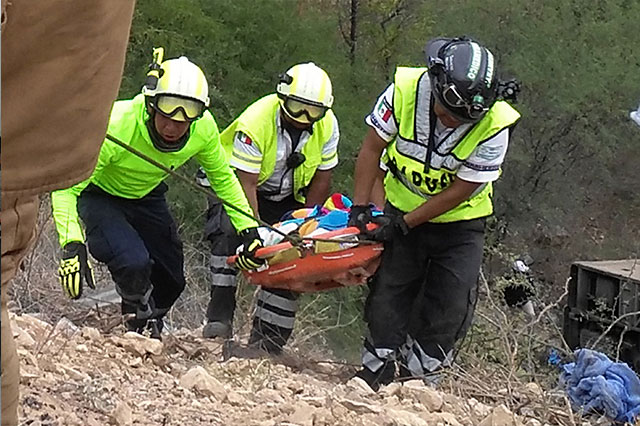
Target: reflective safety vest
{"x":259,"y":122}
{"x":418,"y":170}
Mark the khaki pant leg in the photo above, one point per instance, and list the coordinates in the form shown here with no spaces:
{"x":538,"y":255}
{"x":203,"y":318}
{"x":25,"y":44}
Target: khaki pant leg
{"x":18,"y":231}
{"x":10,"y":372}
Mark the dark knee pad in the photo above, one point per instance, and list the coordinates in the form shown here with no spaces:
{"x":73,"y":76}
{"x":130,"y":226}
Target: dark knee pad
{"x":133,"y":282}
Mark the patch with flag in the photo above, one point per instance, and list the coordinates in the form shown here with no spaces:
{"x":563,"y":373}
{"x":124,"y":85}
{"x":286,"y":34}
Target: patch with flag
{"x":384,"y":110}
{"x":244,"y":138}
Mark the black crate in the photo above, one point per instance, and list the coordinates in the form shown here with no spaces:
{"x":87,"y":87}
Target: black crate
{"x":604,"y":296}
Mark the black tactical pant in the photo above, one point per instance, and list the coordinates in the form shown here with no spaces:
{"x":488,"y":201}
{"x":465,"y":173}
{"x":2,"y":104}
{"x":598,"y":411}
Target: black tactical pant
{"x":422,"y":297}
{"x":275,"y":310}
{"x":138,"y":241}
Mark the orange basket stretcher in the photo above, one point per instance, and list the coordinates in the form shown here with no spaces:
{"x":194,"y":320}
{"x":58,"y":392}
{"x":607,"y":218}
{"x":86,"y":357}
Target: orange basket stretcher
{"x":317,"y":265}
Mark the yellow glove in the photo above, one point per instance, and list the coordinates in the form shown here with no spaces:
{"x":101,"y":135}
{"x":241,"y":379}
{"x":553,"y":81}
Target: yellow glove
{"x":247,"y":259}
{"x":74,"y":269}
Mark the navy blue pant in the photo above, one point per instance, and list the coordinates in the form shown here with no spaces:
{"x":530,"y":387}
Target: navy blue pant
{"x":138,"y":241}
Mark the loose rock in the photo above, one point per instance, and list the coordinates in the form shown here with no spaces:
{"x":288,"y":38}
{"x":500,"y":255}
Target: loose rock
{"x":199,"y":380}
{"x":138,"y":344}
{"x":122,"y":415}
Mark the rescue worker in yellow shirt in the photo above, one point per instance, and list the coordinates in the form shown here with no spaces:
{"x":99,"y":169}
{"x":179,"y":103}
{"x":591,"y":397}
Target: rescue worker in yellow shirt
{"x":123,"y":206}
{"x":283,"y":148}
{"x":446,"y":130}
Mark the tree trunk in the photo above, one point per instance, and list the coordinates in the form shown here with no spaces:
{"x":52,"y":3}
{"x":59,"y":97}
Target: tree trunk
{"x":353,"y":35}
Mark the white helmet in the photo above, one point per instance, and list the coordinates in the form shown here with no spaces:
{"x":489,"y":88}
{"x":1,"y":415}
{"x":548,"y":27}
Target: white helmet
{"x":305,"y":92}
{"x":181,"y":92}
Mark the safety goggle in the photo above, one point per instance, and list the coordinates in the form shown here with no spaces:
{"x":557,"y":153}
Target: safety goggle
{"x":453,"y":99}
{"x":177,"y":108}
{"x":297,"y":109}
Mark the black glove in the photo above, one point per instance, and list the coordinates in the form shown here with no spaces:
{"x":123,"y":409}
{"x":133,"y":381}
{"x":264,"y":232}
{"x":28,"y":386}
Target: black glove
{"x":74,"y":269}
{"x":247,"y":259}
{"x":389,"y":227}
{"x":359,"y":216}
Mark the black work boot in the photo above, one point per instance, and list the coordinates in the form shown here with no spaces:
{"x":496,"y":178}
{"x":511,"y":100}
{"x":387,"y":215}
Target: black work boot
{"x":155,"y":326}
{"x":268,"y":337}
{"x":267,"y":340}
{"x":137,"y":315}
{"x":215,"y":329}
{"x":151,"y":327}
{"x":136,"y":325}
{"x":383,"y":376}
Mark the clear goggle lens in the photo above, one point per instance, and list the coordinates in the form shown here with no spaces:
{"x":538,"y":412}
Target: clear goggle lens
{"x":179,"y":109}
{"x":297,"y":109}
{"x":454,"y":100}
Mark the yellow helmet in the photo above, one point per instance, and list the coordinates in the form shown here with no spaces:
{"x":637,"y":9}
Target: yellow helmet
{"x":305,"y":92}
{"x":181,"y":91}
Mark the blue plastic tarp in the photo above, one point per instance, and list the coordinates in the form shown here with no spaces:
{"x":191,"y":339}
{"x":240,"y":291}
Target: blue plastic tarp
{"x":595,"y":383}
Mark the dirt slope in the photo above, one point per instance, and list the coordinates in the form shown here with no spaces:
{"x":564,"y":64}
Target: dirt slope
{"x":79,"y":376}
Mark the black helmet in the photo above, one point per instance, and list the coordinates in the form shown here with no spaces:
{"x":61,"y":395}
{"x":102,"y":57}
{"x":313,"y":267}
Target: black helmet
{"x":463,"y":76}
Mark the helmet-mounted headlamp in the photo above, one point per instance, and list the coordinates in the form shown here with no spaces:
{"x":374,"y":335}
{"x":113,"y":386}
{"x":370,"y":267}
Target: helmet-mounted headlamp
{"x":155,"y":69}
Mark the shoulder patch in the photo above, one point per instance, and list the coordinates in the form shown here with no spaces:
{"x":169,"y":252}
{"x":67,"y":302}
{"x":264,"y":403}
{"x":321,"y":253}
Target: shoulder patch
{"x":245,"y":139}
{"x":384,"y":111}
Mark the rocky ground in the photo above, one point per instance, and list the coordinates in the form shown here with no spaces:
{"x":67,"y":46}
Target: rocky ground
{"x":80,"y":376}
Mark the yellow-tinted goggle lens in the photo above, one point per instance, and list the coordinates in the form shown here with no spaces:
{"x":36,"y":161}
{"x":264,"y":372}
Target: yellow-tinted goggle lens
{"x":179,"y":109}
{"x":297,"y":108}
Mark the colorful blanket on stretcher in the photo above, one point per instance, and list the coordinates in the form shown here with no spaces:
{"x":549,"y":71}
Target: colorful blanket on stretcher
{"x":336,"y":259}
{"x":311,"y":221}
